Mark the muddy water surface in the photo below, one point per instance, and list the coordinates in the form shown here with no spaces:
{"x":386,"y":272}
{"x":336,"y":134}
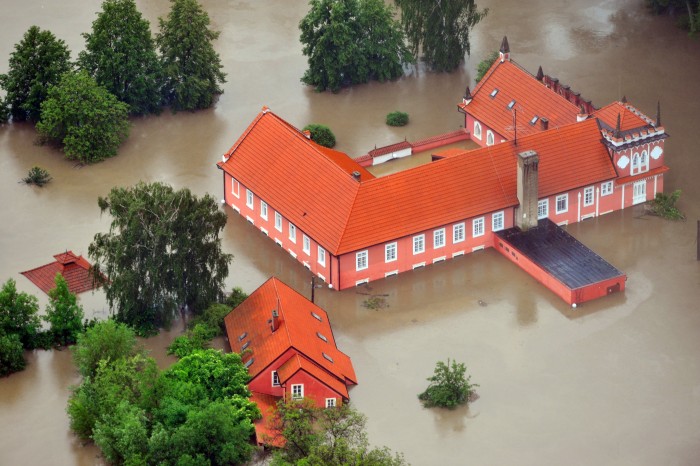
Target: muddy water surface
{"x":615,"y":382}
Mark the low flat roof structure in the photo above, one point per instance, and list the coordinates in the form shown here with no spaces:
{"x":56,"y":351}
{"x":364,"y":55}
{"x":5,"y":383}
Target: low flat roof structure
{"x":560,"y":262}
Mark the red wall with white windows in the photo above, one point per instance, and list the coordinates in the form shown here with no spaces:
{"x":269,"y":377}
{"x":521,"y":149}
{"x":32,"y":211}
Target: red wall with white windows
{"x":262,"y":383}
{"x":469,"y":122}
{"x":313,"y":389}
{"x":623,"y":159}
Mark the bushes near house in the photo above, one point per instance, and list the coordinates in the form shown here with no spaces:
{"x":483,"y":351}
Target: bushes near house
{"x":664,"y":205}
{"x":321,"y":134}
{"x":397,"y":118}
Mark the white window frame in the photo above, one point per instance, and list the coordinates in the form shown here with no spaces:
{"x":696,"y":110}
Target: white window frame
{"x":293,"y":233}
{"x":278,"y":221}
{"x":321,"y":256}
{"x":542,"y":208}
{"x":439,"y":238}
{"x":330,"y":402}
{"x":588,"y":196}
{"x":478,"y":228}
{"x":477,"y":130}
{"x":275,"y":379}
{"x":249,"y":198}
{"x":390,"y":252}
{"x":606,"y":188}
{"x":458,"y":232}
{"x":490,"y":138}
{"x":418,"y":244}
{"x":306,"y":246}
{"x":498,"y":221}
{"x":235,"y":187}
{"x":263,"y":209}
{"x":644,"y":162}
{"x":361,"y":260}
{"x":565,"y":199}
{"x":297,"y":391}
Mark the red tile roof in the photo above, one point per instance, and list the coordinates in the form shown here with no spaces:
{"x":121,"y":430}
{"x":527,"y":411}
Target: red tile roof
{"x":532,"y":98}
{"x":264,"y":434}
{"x":630,"y":117}
{"x":75,"y":269}
{"x":297,"y":329}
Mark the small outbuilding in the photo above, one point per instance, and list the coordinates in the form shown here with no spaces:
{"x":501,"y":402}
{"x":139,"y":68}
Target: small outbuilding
{"x":75,"y":269}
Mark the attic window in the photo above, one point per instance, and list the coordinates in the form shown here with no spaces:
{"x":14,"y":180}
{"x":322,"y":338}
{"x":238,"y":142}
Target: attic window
{"x":534,"y":120}
{"x":316,"y":316}
{"x":247,"y":343}
{"x":511,"y":104}
{"x":493,"y":93}
{"x":322,"y":337}
{"x":243,"y":335}
{"x":249,"y":363}
{"x":327,"y":357}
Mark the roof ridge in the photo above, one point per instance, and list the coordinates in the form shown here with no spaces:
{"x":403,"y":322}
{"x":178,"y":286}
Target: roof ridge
{"x":280,"y":310}
{"x":487,"y":75}
{"x":347,"y":219}
{"x":247,"y":131}
{"x":523,"y":69}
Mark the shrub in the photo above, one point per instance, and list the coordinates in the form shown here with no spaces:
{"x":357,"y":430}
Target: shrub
{"x":37,"y":176}
{"x":397,"y":119}
{"x":484,"y":65}
{"x":105,"y":340}
{"x":321,"y":134}
{"x":197,"y":338}
{"x":448,"y":387}
{"x":664,"y":205}
{"x":213,"y":318}
{"x":11,"y":354}
{"x":236,"y":297}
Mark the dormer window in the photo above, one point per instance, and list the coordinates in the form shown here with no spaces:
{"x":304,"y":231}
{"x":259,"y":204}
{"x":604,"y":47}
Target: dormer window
{"x":511,"y":104}
{"x":493,"y":93}
{"x":534,"y":120}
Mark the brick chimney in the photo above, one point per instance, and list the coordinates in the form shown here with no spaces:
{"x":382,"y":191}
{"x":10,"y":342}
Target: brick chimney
{"x":274,"y":322}
{"x":544,"y":123}
{"x":528,"y":167}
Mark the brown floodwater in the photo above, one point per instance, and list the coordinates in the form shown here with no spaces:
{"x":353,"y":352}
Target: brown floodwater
{"x":615,"y":382}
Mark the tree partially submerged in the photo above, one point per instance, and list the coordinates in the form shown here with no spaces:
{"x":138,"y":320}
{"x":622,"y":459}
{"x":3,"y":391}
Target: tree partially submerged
{"x":484,"y":65}
{"x":440,"y":29}
{"x":37,"y":63}
{"x":192,"y":69}
{"x":449,"y":387}
{"x":108,"y":340}
{"x":63,"y":313}
{"x":37,"y":176}
{"x":120,"y":54}
{"x":162,"y":253}
{"x":321,"y":134}
{"x":83,"y":118}
{"x":664,"y":205}
{"x":19,"y":327}
{"x":350,"y":42}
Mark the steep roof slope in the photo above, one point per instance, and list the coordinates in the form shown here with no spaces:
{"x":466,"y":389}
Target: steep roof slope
{"x":302,"y":325}
{"x":630,"y":117}
{"x":532,"y":99}
{"x":75,"y":269}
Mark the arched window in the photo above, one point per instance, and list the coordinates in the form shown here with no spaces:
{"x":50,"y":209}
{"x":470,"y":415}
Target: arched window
{"x":636,"y":164}
{"x":477,"y":130}
{"x":644,"y":165}
{"x":489,"y":138}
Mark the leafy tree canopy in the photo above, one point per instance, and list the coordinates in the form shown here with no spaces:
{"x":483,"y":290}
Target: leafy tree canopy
{"x":440,"y":29}
{"x":326,"y":437}
{"x":36,"y":64}
{"x":120,"y":54}
{"x":11,"y":354}
{"x":162,"y":251}
{"x":321,"y":134}
{"x":191,"y":67}
{"x":18,"y":314}
{"x":484,"y":65}
{"x":350,"y":42}
{"x":448,"y":387}
{"x":107,"y":340}
{"x":84,"y":118}
{"x":63,"y":313}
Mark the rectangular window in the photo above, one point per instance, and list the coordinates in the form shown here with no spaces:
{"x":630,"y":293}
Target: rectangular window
{"x":235,"y":187}
{"x":439,"y":238}
{"x":478,"y":227}
{"x":307,"y":245}
{"x":297,"y":391}
{"x":543,"y":208}
{"x":390,"y":252}
{"x":497,"y":221}
{"x":292,"y":233}
{"x":321,"y":256}
{"x":588,"y":196}
{"x":418,"y":244}
{"x":330,"y":402}
{"x":249,"y":198}
{"x":606,"y":188}
{"x":275,"y":379}
{"x":263,"y":209}
{"x":278,"y":221}
{"x":458,"y":233}
{"x":361,"y":260}
{"x":562,"y":203}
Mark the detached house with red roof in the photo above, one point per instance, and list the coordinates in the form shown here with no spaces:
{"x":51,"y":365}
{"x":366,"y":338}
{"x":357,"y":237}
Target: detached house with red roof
{"x":350,"y":227}
{"x":287,"y":344}
{"x":75,"y":269}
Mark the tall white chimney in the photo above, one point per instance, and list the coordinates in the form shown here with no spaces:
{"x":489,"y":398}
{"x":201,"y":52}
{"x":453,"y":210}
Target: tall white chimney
{"x":528,"y":167}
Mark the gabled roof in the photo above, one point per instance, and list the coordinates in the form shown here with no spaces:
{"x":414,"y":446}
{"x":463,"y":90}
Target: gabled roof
{"x":532,"y":99}
{"x":75,"y":269}
{"x":298,"y":328}
{"x":630,"y":117}
{"x":300,"y":363}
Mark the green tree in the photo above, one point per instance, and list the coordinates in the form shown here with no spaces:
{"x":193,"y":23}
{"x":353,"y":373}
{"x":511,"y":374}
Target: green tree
{"x":326,"y":437}
{"x":84,"y":118}
{"x":440,"y":29}
{"x":484,"y":65}
{"x":162,"y":251}
{"x":191,"y":67}
{"x":18,"y":314}
{"x":120,"y":54}
{"x":11,"y":354}
{"x":63,"y":313}
{"x":397,"y":118}
{"x":321,"y":134}
{"x":351,"y":41}
{"x":108,"y":340}
{"x":37,"y":63}
{"x":448,"y":387}
{"x":213,"y":317}
{"x":196,"y":338}
{"x":236,"y":297}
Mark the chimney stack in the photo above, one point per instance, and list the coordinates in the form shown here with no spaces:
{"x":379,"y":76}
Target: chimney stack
{"x":274,"y":323}
{"x":356,"y":175}
{"x":545,"y":123}
{"x":582,"y":115}
{"x":528,"y":167}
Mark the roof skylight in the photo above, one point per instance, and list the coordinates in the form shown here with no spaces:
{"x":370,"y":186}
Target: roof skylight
{"x":247,"y":343}
{"x":249,"y":363}
{"x":322,"y":337}
{"x":327,"y":357}
{"x":316,"y":316}
{"x":511,"y":104}
{"x":534,"y":120}
{"x":243,"y":335}
{"x":494,"y":92}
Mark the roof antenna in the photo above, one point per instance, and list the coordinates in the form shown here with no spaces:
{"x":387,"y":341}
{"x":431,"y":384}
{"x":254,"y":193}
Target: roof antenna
{"x":515,"y":125}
